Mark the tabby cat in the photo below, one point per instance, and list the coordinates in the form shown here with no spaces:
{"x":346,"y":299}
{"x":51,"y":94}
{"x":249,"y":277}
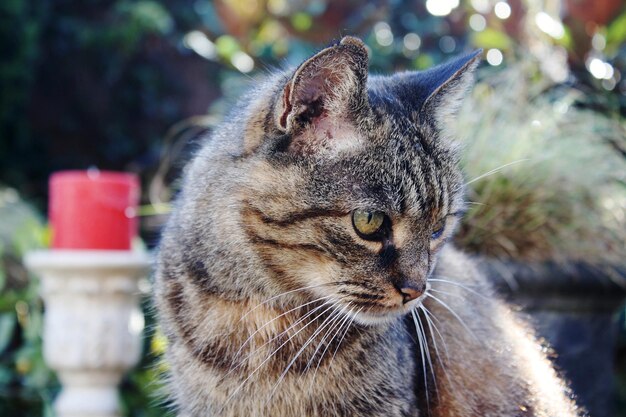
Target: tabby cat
{"x":305,"y":269}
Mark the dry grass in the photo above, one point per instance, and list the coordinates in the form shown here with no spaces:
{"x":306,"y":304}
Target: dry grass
{"x":564,"y":195}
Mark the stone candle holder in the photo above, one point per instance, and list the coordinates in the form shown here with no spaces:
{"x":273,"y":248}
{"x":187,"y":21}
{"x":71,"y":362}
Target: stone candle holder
{"x":92,"y":324}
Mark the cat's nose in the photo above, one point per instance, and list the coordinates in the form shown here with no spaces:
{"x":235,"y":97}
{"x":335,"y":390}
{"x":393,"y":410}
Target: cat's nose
{"x":410,"y":292}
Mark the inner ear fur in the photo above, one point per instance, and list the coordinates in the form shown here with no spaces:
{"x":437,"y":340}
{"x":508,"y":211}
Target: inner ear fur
{"x":332,"y":83}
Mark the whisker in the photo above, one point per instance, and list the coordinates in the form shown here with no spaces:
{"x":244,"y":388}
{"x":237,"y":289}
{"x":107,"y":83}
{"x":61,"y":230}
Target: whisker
{"x":344,"y":333}
{"x":276,"y":318}
{"x":451,"y":294}
{"x":268,"y":358}
{"x":458,"y":284}
{"x":427,"y":349}
{"x":324,"y":324}
{"x":338,"y":318}
{"x":431,"y":325}
{"x":430,"y":317}
{"x":289,"y":292}
{"x":284,"y":332}
{"x":455,"y":315}
{"x":362,"y":295}
{"x":342,"y":322}
{"x":419,"y":337}
{"x":494,"y":171}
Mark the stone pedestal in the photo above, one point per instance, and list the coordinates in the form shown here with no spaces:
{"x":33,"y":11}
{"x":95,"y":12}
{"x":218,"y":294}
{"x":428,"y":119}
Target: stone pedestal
{"x":92,"y":324}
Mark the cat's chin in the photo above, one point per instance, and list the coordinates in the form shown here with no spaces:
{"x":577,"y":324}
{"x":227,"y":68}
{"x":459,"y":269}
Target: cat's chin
{"x":387,"y":316}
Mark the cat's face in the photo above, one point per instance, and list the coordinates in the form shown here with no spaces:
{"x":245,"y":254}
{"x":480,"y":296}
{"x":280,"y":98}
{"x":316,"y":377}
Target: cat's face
{"x":352,"y":190}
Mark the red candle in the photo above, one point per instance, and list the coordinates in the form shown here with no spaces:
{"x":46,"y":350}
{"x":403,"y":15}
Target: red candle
{"x":93,"y":209}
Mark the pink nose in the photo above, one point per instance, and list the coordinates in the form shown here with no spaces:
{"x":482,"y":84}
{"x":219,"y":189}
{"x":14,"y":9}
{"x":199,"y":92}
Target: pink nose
{"x":410,"y":293}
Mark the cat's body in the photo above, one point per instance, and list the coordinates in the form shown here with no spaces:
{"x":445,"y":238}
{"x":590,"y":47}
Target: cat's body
{"x":279,"y":299}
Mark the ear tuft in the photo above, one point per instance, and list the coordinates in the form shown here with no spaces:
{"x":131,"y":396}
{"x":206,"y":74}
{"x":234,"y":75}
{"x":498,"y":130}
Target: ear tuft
{"x":351,"y":40}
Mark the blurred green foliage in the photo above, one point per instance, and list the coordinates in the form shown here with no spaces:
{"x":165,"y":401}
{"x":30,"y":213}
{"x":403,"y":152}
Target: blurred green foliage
{"x":26,"y":384}
{"x":99,"y":82}
{"x":544,"y":172}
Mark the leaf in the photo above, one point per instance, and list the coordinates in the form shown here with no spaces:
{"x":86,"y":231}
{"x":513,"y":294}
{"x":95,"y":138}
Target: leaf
{"x":566,"y":41}
{"x":226,"y":46}
{"x":616,"y":32}
{"x":423,"y":61}
{"x":301,"y":21}
{"x":491,"y":38}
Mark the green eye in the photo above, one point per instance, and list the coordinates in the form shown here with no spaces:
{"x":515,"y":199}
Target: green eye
{"x":367,"y":223}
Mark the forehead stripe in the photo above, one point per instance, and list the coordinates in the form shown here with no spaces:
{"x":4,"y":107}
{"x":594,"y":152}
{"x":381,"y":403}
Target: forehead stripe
{"x":292,"y":218}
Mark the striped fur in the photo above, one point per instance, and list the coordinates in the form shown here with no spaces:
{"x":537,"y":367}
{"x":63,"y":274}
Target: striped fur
{"x":272,"y":303}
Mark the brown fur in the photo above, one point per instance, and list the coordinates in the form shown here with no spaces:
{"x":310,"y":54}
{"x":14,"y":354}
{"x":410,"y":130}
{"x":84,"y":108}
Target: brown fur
{"x":272,"y":303}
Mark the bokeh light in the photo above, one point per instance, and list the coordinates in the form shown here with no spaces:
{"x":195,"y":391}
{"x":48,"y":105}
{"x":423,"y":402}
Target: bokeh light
{"x":412,"y":41}
{"x":600,"y":69}
{"x":383,"y":33}
{"x":549,"y":25}
{"x":447,"y":44}
{"x":494,"y":57}
{"x":200,"y":44}
{"x":481,"y":6}
{"x":441,"y":7}
{"x":502,"y":10}
{"x":477,"y":22}
{"x":242,"y":61}
{"x":598,"y":41}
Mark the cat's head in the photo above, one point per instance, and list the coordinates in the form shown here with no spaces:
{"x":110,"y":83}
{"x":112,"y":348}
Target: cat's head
{"x":350,"y":186}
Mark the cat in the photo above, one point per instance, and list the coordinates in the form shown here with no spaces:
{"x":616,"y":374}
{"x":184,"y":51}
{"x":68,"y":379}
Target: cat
{"x":306,"y":269}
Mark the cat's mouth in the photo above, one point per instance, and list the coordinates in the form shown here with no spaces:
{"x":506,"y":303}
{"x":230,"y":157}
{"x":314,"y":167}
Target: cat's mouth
{"x":388,"y":309}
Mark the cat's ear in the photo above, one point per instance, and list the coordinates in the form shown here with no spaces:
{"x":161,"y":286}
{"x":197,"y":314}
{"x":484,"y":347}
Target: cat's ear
{"x":330,"y":85}
{"x":454,"y":79}
{"x":438,"y":93}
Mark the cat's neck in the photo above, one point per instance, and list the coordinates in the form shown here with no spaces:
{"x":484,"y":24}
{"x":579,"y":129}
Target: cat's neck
{"x":296,"y":336}
{"x":248,"y":349}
